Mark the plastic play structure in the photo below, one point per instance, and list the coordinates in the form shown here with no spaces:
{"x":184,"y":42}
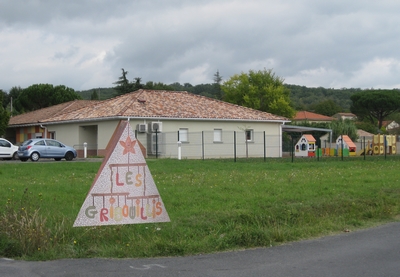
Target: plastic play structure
{"x":345,"y":143}
{"x":380,"y":145}
{"x":305,"y":147}
{"x":367,"y":150}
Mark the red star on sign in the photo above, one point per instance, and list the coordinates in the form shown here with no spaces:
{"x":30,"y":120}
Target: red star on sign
{"x":128,"y":145}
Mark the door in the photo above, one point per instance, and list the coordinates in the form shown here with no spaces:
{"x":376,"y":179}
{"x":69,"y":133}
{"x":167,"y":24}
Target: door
{"x":54,"y":149}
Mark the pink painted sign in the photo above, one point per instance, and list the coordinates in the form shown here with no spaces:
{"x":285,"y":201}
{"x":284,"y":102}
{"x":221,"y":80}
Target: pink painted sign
{"x":123,"y":191}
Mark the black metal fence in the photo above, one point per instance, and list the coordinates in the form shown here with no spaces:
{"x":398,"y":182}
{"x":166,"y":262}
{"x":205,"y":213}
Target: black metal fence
{"x":236,"y":144}
{"x":206,"y":145}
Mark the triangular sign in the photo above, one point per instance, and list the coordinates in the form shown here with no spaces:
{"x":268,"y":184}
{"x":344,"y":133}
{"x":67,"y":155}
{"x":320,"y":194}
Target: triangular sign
{"x":123,"y":191}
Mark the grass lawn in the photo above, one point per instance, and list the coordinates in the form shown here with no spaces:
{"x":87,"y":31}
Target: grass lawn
{"x":214,"y":205}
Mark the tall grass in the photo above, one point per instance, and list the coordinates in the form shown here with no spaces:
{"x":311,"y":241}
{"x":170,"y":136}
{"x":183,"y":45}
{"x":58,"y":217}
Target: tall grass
{"x":214,"y":205}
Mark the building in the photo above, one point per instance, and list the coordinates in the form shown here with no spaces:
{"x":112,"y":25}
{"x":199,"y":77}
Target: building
{"x":344,"y":116}
{"x":390,"y":125}
{"x":160,"y":119}
{"x":309,"y":117}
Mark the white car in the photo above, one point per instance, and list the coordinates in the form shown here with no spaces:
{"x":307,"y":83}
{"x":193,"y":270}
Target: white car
{"x":8,"y":150}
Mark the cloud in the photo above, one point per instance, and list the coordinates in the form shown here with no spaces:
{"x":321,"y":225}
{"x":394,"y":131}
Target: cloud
{"x":84,"y":43}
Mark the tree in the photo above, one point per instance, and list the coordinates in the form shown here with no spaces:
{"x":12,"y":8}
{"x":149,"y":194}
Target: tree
{"x":3,"y":98}
{"x":217,"y":78}
{"x":4,"y":116}
{"x":157,"y":86}
{"x":13,"y":96}
{"x":217,"y":85}
{"x":327,"y":107}
{"x":137,"y":85}
{"x":8,"y":99}
{"x":123,"y":85}
{"x":260,"y":90}
{"x":40,"y":96}
{"x":305,"y":97}
{"x":375,"y":104}
{"x":367,"y":126}
{"x":344,"y":127}
{"x":94,"y":95}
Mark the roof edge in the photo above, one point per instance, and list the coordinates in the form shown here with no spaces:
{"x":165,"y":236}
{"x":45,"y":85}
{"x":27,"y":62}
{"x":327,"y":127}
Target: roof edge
{"x":146,"y":118}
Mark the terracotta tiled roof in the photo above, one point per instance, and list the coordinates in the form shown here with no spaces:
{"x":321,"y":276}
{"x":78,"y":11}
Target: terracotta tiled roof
{"x":309,"y":116}
{"x":385,"y":123}
{"x":362,"y":133}
{"x":348,"y":141}
{"x":162,"y":104}
{"x":344,"y":116}
{"x":347,"y":114}
{"x":309,"y":138}
{"x":49,"y":112}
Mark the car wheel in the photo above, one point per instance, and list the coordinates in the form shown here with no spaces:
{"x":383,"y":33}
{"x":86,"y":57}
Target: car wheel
{"x":23,"y":159}
{"x":57,"y":159}
{"x":15,"y":156}
{"x":35,"y":156}
{"x":69,"y":156}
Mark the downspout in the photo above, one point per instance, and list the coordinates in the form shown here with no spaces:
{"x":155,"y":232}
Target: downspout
{"x":45,"y":130}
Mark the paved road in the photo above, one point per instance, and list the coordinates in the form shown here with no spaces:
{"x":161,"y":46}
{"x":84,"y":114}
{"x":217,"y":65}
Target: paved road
{"x":373,"y":252}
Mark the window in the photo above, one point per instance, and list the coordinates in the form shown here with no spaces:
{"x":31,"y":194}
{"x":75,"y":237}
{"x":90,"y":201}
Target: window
{"x":40,"y":142}
{"x":217,"y":135}
{"x":4,"y":143}
{"x":249,"y":135}
{"x":184,"y":134}
{"x":53,"y":143}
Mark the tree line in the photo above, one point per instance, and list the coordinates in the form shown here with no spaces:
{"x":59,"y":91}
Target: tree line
{"x":261,"y":90}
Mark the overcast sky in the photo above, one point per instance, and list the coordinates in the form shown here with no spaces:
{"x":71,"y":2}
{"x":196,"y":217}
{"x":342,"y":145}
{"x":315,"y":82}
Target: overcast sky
{"x":83,"y":44}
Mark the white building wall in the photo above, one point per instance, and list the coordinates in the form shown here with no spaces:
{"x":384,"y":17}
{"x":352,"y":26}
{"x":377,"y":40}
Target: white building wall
{"x":66,"y":133}
{"x":198,"y":142}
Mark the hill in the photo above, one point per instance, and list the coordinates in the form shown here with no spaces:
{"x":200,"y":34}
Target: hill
{"x":103,"y":93}
{"x":303,"y":98}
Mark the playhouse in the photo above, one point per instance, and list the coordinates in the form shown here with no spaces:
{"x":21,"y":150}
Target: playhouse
{"x":382,"y":144}
{"x":348,"y":146}
{"x":305,"y":147}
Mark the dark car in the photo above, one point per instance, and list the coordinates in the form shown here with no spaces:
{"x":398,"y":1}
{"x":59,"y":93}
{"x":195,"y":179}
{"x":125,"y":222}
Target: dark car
{"x":35,"y":149}
{"x":8,"y":150}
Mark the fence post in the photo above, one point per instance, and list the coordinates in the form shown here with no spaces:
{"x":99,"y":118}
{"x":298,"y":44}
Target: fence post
{"x":365,"y":149}
{"x":342,"y":147}
{"x":202,"y":144}
{"x":179,"y":150}
{"x":384,"y":145}
{"x":234,"y":145}
{"x":265,"y":148}
{"x":85,"y":150}
{"x":156,"y":143}
{"x":292,"y":148}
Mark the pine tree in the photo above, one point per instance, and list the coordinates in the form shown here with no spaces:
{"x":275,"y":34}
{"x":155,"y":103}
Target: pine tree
{"x":123,"y":85}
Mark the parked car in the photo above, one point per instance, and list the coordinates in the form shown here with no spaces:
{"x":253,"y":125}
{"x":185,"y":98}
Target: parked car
{"x":35,"y":149}
{"x":8,"y":150}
